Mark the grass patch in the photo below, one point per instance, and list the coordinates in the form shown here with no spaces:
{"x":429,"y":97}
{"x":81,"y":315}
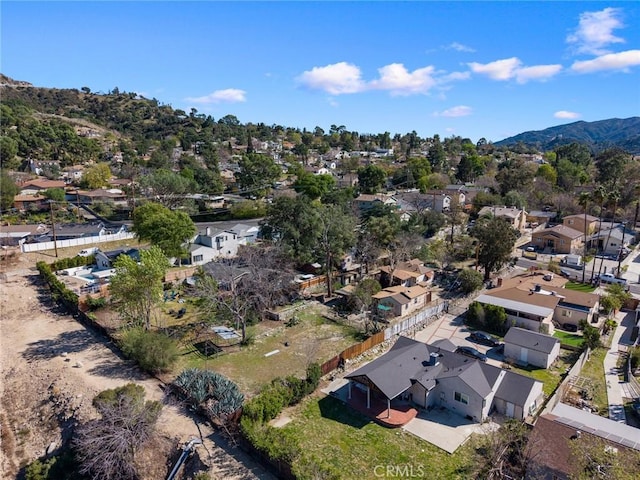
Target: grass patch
{"x":312,"y":339}
{"x":553,"y":375}
{"x":568,"y":338}
{"x":594,"y":371}
{"x":332,"y":432}
{"x":580,"y":287}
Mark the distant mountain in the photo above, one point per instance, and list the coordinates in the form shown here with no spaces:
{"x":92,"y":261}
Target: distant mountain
{"x":614,"y":132}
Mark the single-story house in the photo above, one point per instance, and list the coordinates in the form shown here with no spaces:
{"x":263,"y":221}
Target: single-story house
{"x":104,"y":260}
{"x":537,"y":302}
{"x":33,"y":187}
{"x":516,"y":217}
{"x":407,"y":274}
{"x":67,"y":231}
{"x":365,"y":202}
{"x":552,"y":456}
{"x":31,"y":202}
{"x":430,"y":376}
{"x":12,"y":235}
{"x":542,"y":218}
{"x":211,"y":243}
{"x":612,"y":240}
{"x":399,"y":301}
{"x":531,"y":348}
{"x":416,"y":202}
{"x":114,"y":195}
{"x":559,"y":239}
{"x":577,"y":222}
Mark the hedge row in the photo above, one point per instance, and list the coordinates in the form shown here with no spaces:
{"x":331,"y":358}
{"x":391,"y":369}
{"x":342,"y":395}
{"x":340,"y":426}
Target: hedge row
{"x":59,"y":291}
{"x":278,"y":445}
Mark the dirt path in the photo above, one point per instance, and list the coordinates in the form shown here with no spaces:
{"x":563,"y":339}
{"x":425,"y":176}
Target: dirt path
{"x":51,"y":367}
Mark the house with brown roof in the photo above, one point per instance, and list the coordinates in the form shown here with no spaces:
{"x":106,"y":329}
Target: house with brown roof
{"x":11,"y":235}
{"x":433,"y":376}
{"x":365,"y":202}
{"x":516,"y":217}
{"x":33,"y":187}
{"x":537,"y":302}
{"x":577,"y":222}
{"x":399,"y":301}
{"x":560,"y":437}
{"x":558,"y":239}
{"x":406,"y":274}
{"x":31,"y":202}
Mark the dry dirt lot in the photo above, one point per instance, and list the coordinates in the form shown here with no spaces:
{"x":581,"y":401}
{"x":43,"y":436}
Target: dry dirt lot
{"x":51,"y":367}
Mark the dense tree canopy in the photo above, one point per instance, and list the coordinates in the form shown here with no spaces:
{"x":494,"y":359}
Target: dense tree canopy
{"x":257,"y":174}
{"x":168,"y":229}
{"x":496,"y":239}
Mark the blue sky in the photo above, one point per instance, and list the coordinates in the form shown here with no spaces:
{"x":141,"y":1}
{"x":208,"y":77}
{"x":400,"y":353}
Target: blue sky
{"x":474,"y":69}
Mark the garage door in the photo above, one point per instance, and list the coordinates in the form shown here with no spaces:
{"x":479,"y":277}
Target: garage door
{"x":524,"y":353}
{"x":510,"y":409}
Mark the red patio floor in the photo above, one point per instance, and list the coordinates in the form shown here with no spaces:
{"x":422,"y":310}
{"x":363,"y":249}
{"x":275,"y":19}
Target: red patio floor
{"x":400,"y":414}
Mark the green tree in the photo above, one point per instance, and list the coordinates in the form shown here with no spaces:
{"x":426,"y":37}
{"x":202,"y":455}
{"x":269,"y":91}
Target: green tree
{"x":363,"y":294}
{"x":314,"y":186}
{"x":8,"y":152}
{"x":336,"y":236}
{"x":547,"y":172}
{"x":168,"y":188}
{"x":470,"y":280}
{"x":496,"y":239}
{"x":56,"y":194}
{"x":257,"y":174}
{"x":96,"y":176}
{"x":136,"y":287}
{"x":167,"y":229}
{"x":8,"y":190}
{"x":371,"y":178}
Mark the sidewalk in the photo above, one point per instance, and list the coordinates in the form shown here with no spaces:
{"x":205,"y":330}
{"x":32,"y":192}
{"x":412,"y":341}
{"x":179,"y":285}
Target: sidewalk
{"x":616,"y":388}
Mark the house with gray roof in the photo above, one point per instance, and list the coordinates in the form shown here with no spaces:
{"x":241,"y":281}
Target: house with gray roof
{"x":105,"y":260}
{"x":434,"y":376}
{"x":530,"y":348}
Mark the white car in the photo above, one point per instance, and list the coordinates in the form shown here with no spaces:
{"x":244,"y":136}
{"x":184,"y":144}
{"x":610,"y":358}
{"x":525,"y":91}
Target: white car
{"x":88,"y":251}
{"x":610,"y":278}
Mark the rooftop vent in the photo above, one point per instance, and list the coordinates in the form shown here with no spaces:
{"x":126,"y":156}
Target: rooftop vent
{"x":433,"y":359}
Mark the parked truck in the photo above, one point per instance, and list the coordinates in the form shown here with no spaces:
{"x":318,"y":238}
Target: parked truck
{"x":573,"y":261}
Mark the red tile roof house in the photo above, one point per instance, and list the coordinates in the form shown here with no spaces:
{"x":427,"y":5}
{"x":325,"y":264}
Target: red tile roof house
{"x":34,"y":186}
{"x":431,"y":376}
{"x":535,"y":303}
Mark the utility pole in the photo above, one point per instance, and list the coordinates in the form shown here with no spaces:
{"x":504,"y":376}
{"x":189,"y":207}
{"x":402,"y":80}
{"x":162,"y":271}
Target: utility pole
{"x":53,"y":228}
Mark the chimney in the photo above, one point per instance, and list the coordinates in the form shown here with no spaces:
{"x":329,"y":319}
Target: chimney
{"x":433,"y":359}
{"x":537,"y":287}
{"x":208,"y":231}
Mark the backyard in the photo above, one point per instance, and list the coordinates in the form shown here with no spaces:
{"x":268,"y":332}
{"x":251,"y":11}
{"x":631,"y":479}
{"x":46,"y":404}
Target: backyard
{"x":275,"y":349}
{"x":580,"y":287}
{"x":567,"y":338}
{"x":336,"y":435}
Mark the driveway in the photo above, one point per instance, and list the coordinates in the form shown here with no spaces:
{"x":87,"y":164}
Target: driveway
{"x":453,"y":328}
{"x":445,"y":429}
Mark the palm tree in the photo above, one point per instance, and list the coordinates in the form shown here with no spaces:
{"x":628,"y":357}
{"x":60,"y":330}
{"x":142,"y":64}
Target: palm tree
{"x":599,"y":195}
{"x":583,"y":201}
{"x":615,"y":196}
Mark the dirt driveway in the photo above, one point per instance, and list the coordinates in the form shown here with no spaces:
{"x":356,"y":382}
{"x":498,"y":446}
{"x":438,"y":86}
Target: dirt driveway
{"x":51,"y":367}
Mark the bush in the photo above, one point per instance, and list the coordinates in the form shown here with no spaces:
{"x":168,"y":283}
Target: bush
{"x":470,"y":280}
{"x":153,"y":351}
{"x":96,"y":303}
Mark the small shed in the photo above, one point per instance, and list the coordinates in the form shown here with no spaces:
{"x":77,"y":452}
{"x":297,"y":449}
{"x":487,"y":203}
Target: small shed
{"x":530,"y":348}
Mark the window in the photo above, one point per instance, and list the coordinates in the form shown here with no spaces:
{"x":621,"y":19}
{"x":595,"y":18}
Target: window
{"x":197,"y":258}
{"x":571,"y":221}
{"x":566,"y":313}
{"x":461,"y":397}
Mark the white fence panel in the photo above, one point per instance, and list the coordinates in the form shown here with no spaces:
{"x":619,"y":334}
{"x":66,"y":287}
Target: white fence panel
{"x":425,"y":316}
{"x":75,"y":242}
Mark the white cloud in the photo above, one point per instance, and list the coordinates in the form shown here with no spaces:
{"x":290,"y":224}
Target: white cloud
{"x":335,"y":79}
{"x":399,"y":81}
{"x":229,"y":95}
{"x":611,"y":61}
{"x":564,"y":114}
{"x":538,"y":72}
{"x":499,"y":70}
{"x":459,"y":47}
{"x":458,"y":111}
{"x":595,"y":31}
{"x":510,"y":68}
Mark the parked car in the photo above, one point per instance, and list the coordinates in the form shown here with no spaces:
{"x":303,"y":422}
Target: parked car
{"x":88,"y":251}
{"x":530,"y":249}
{"x":484,"y":338}
{"x":610,"y":278}
{"x":472,"y":352}
{"x":570,"y":327}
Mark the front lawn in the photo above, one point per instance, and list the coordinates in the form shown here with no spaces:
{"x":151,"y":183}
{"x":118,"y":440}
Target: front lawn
{"x":553,"y":375}
{"x":580,"y":287}
{"x":334,"y":434}
{"x":568,"y":338}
